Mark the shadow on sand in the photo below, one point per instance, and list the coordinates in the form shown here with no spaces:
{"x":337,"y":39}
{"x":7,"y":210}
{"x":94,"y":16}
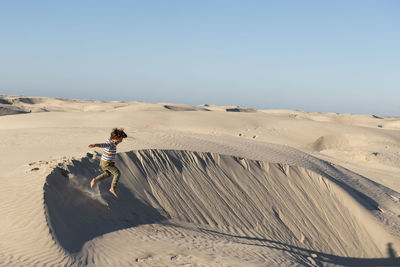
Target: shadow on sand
{"x":319,"y":258}
{"x":75,"y":217}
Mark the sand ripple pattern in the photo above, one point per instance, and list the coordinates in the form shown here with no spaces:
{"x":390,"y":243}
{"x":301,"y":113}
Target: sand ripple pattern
{"x":191,"y":199}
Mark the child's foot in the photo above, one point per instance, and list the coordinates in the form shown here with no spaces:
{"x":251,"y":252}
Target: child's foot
{"x":112,"y":190}
{"x":92,"y":182}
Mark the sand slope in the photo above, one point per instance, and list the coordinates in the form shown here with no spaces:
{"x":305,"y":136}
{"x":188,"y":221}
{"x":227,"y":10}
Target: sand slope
{"x":200,"y":186}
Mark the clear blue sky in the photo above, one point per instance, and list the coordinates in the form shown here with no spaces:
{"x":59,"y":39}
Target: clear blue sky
{"x":328,"y":56}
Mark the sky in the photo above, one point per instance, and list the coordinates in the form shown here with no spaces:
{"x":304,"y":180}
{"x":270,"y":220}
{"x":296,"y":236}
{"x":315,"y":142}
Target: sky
{"x":316,"y":56}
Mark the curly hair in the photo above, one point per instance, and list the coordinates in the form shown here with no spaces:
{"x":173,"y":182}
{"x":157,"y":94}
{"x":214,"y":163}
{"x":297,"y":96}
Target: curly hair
{"x":118,"y":133}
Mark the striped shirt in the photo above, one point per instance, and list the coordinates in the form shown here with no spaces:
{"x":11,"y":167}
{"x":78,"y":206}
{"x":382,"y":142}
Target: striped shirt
{"x":109,"y":151}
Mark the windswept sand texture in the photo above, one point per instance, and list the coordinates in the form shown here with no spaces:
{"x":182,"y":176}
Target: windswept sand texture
{"x":200,"y":186}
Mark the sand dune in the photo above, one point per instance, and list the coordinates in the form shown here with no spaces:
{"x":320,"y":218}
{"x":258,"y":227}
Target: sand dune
{"x":184,"y":108}
{"x":35,"y":104}
{"x":225,"y":193}
{"x":196,"y":188}
{"x":240,"y":109}
{"x":6,"y":109}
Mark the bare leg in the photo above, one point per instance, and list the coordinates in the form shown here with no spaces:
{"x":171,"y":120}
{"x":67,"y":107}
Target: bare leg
{"x":112,"y":190}
{"x":93,"y":182}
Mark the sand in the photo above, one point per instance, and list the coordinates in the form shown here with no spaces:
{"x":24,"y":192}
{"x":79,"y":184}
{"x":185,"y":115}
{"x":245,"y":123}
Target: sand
{"x":200,"y":186}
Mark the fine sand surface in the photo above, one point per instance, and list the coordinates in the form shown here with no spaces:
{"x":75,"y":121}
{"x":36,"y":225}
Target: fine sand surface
{"x":200,"y":186}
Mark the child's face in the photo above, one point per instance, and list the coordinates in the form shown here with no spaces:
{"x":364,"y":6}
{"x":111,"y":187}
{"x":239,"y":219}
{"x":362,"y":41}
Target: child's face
{"x":117,"y":140}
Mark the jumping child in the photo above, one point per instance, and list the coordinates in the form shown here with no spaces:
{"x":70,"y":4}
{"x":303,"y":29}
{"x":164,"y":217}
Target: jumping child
{"x":107,"y":162}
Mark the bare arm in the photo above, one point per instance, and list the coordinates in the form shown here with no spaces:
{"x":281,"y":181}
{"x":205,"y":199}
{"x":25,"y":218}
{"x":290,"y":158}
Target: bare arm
{"x":99,"y":145}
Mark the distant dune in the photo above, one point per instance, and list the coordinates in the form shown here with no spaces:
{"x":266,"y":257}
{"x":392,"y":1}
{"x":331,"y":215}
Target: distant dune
{"x":184,"y":108}
{"x":239,"y":109}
